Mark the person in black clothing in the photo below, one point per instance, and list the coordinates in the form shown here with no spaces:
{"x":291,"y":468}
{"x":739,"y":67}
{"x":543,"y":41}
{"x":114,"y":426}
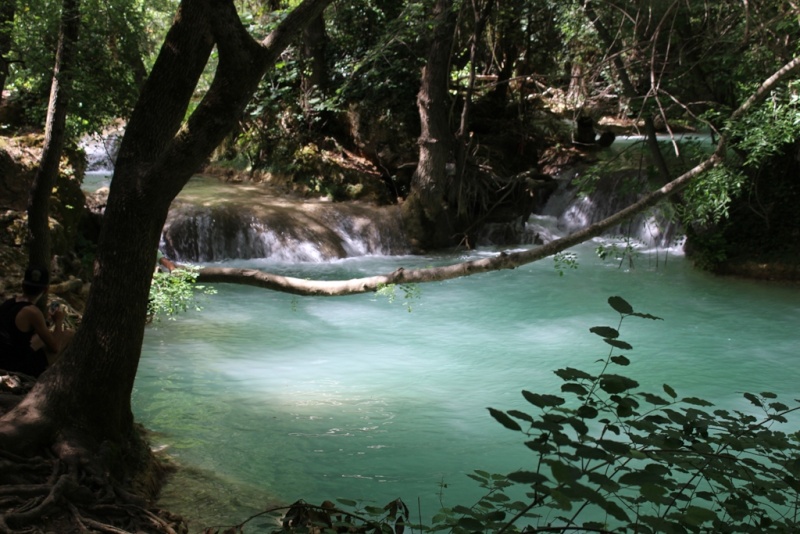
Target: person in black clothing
{"x":26,"y":344}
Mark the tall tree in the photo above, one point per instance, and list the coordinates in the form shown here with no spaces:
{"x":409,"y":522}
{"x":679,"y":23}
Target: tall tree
{"x":54,"y":137}
{"x":82,"y":404}
{"x":426,"y":211}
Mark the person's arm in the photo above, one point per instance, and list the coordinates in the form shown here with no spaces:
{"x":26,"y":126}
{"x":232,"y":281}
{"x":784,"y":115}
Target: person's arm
{"x":31,"y":318}
{"x":166,"y":263}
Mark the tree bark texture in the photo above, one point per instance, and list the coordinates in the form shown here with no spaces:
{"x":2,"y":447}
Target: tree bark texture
{"x":54,"y":137}
{"x":425,"y":209}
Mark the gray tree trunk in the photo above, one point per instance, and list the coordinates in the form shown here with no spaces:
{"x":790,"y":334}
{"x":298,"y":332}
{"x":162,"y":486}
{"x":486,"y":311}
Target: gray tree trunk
{"x":54,"y":137}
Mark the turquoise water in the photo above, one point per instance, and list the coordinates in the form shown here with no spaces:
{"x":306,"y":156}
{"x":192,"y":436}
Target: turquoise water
{"x":266,"y":398}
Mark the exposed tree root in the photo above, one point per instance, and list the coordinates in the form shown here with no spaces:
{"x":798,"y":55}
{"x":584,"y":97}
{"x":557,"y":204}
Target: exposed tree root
{"x":66,"y":489}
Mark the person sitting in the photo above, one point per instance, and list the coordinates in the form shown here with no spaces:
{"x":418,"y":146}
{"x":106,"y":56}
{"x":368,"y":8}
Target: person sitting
{"x":26,"y":344}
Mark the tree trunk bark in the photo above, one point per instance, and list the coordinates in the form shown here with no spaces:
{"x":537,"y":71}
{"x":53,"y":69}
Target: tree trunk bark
{"x":315,"y":42}
{"x":425,"y":209}
{"x":86,"y":395}
{"x":54,"y":138}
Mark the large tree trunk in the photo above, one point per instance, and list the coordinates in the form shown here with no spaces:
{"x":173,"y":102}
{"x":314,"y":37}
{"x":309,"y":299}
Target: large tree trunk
{"x":425,"y":211}
{"x":315,"y":43}
{"x":54,"y":137}
{"x":85,"y":398}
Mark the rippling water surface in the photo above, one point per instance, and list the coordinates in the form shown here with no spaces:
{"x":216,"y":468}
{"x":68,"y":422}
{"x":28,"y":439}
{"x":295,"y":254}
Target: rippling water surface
{"x":265,"y":398}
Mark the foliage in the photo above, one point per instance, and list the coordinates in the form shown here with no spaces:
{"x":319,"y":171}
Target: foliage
{"x":410,"y":293}
{"x":764,"y":132}
{"x":612,"y":458}
{"x":626,"y":250}
{"x":707,"y":199}
{"x":114,"y":46}
{"x":565,"y":260}
{"x":175,"y":292}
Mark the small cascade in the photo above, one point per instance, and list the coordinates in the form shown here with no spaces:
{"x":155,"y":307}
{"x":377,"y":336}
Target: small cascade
{"x":297,"y":232}
{"x":101,"y":151}
{"x":568,"y":210}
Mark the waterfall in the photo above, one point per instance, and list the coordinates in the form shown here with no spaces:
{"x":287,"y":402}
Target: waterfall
{"x":569,"y":209}
{"x":622,"y":176}
{"x":213,"y":221}
{"x":291,"y":232}
{"x":101,"y":153}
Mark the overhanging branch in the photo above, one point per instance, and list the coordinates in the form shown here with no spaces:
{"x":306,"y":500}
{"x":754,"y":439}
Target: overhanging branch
{"x":503,"y":260}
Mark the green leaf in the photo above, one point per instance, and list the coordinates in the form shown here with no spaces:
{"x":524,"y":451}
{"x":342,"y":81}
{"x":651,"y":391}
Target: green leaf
{"x":579,"y":426}
{"x":542,"y":401}
{"x":755,"y":401}
{"x":669,"y":391}
{"x":696,"y":515}
{"x":647,"y":316}
{"x":614,"y":447}
{"x":573,"y":374}
{"x":618,"y":344}
{"x":520,"y":415}
{"x":620,"y":305}
{"x":654,"y":399}
{"x":605,"y":331}
{"x":562,"y":501}
{"x":614,"y":509}
{"x":527,"y":477}
{"x":497,"y":515}
{"x":604,"y":481}
{"x":617,"y":384}
{"x":563,"y":473}
{"x":640,"y":478}
{"x":696,"y":401}
{"x":504,"y":420}
{"x":587,"y":412}
{"x":778,"y":406}
{"x":572,"y":387}
{"x":620,"y":360}
{"x":591,"y":453}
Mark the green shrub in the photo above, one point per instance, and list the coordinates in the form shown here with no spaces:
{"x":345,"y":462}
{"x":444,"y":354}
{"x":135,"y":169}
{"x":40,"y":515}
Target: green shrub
{"x":175,"y":292}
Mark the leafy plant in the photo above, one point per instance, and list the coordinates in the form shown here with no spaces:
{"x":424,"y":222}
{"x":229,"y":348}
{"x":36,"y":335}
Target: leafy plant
{"x":563,"y":261}
{"x":174,"y":293}
{"x":611,"y":458}
{"x":627,"y":250}
{"x":410,"y":292}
